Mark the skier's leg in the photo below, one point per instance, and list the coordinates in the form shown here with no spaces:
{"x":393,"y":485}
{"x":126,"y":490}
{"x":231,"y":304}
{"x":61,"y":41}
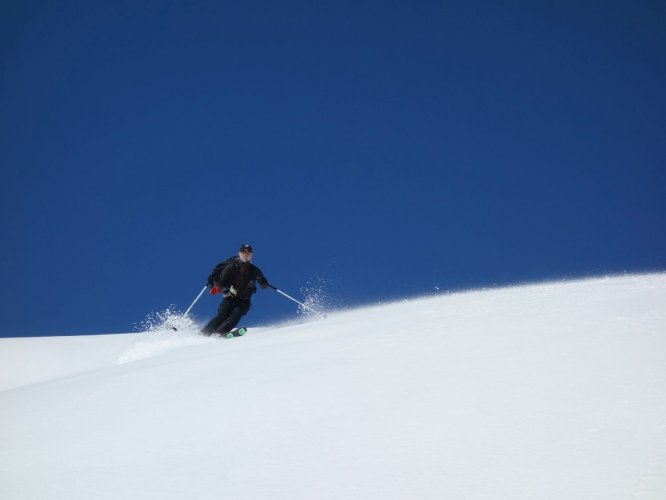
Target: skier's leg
{"x":233,"y":318}
{"x":212,"y":325}
{"x":222,"y":314}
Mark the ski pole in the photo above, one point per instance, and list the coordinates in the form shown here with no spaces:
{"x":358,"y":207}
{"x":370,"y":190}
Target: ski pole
{"x":195,"y":301}
{"x":299,"y":303}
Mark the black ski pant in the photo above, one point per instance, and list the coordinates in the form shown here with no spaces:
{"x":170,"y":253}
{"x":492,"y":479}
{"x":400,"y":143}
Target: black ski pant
{"x":228,"y":315}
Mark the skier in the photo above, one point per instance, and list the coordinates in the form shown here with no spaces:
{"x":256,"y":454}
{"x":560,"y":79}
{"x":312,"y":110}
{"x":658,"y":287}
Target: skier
{"x":236,"y":279}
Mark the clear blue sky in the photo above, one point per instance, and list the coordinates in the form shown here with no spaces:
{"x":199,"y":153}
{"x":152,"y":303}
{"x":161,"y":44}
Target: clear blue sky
{"x":380,"y":149}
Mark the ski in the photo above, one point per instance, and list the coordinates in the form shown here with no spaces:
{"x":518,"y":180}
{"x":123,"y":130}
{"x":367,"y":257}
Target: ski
{"x":236,"y":332}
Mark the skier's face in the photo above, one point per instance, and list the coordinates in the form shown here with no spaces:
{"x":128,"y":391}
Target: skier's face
{"x":245,"y":256}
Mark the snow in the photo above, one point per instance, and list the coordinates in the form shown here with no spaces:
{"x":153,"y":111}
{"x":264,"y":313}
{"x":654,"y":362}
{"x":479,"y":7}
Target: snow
{"x":549,"y":391}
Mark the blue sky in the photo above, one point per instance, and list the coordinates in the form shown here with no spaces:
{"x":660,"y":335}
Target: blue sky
{"x":373,"y":149}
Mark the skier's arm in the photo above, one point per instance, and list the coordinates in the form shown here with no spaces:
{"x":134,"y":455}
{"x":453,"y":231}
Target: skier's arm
{"x":261,"y":279}
{"x":226,"y":277}
{"x":263,"y":282}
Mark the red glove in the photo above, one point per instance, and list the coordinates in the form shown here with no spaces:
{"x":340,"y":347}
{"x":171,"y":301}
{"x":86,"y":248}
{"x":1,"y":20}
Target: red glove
{"x":214,"y":290}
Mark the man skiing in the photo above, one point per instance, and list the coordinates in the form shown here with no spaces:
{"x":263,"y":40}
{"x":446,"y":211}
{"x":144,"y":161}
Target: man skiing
{"x":236,"y":279}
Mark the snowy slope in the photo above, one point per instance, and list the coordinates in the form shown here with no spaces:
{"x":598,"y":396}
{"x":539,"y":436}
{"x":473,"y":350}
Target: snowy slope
{"x":552,"y":391}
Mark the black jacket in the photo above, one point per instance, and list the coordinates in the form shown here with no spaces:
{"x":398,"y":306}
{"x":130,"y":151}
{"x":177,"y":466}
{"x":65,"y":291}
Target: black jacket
{"x":240,"y":278}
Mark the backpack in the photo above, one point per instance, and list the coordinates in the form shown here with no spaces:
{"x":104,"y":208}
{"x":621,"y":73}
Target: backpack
{"x":218,"y":270}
